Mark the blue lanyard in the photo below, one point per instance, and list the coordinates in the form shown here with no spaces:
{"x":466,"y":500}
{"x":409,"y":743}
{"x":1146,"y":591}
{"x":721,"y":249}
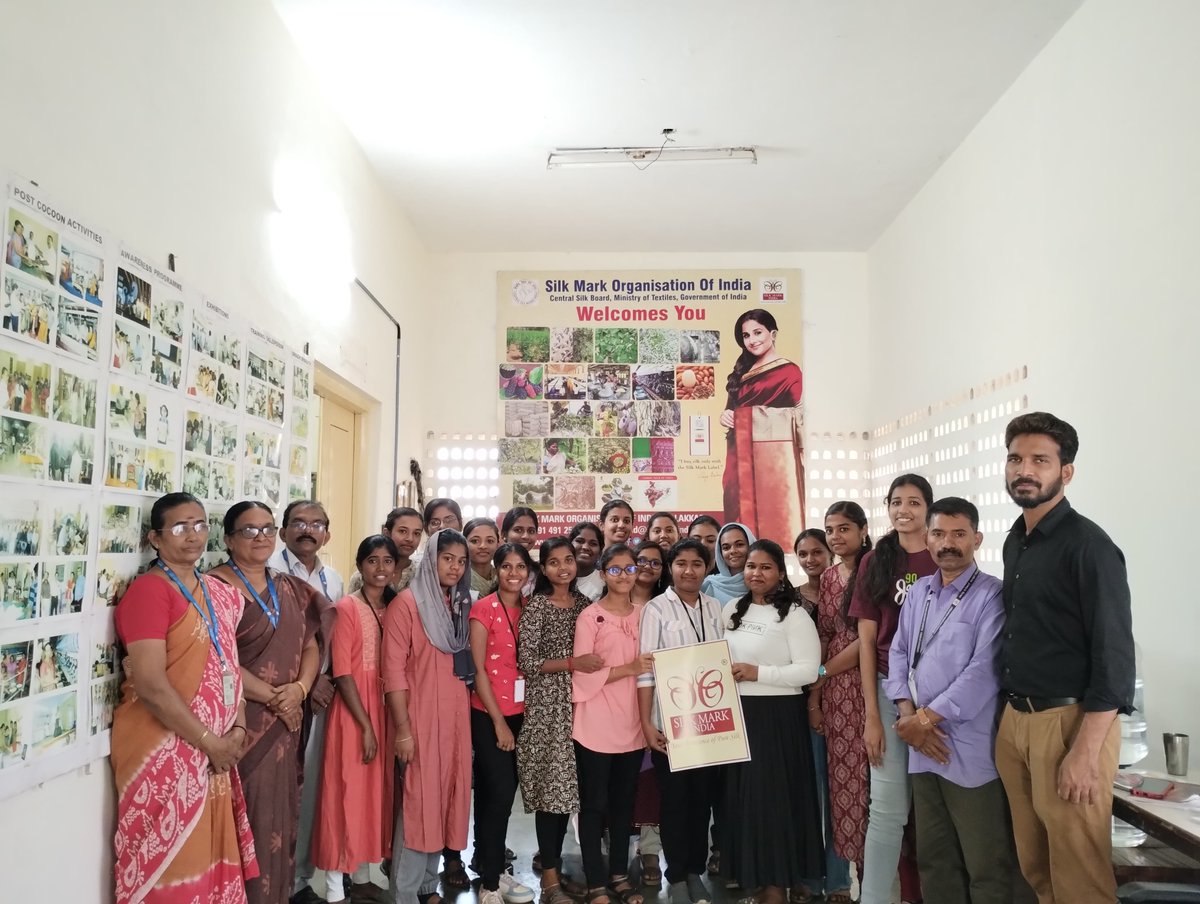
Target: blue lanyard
{"x":321,"y":574}
{"x":271,"y":613}
{"x":211,"y":622}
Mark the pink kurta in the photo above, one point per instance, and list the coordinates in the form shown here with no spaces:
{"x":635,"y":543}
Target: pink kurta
{"x":607,"y":719}
{"x":353,"y":822}
{"x":437,"y":783}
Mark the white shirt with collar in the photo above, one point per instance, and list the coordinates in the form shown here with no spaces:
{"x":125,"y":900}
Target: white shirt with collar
{"x":287,"y":563}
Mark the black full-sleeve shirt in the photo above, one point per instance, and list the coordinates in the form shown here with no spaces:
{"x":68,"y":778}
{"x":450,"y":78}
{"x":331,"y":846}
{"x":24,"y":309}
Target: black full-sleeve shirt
{"x":1069,"y":631}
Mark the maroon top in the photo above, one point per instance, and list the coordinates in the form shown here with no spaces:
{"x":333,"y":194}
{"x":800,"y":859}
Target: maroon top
{"x":886,"y":612}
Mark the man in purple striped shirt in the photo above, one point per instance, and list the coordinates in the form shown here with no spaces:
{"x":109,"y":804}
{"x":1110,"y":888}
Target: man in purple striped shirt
{"x":944,"y":678}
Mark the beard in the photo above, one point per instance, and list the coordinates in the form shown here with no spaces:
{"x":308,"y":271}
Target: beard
{"x":1042,"y":496}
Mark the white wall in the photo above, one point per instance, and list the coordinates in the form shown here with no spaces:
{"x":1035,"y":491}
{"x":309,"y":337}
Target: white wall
{"x":462,"y":290}
{"x":164,"y":121}
{"x":1063,"y":234}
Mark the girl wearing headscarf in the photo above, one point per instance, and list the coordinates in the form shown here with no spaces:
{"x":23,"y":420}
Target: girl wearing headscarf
{"x":733,"y":544}
{"x":427,"y":673}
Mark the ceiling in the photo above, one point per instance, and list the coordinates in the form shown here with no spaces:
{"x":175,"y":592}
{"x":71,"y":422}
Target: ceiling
{"x":853,"y":104}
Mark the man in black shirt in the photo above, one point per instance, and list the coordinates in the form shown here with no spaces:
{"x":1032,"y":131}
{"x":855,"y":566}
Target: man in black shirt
{"x":1066,"y":670}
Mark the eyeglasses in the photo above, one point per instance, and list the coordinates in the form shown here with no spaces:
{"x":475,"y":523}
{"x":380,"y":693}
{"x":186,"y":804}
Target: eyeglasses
{"x":250,"y":532}
{"x":317,"y":527}
{"x":615,"y":570}
{"x":652,"y":564}
{"x":180,"y":529}
{"x":448,"y":522}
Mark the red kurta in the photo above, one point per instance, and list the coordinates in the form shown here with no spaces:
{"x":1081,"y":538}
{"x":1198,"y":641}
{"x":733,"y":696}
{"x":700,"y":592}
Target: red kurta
{"x":437,"y":783}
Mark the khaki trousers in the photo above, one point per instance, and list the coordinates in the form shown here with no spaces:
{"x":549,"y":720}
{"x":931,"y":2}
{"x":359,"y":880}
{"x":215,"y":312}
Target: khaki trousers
{"x":1065,"y":849}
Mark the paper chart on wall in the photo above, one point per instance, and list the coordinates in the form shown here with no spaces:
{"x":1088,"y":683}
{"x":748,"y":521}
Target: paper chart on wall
{"x":300,"y":444}
{"x":265,"y":412}
{"x":216,"y":357}
{"x":150,"y":323}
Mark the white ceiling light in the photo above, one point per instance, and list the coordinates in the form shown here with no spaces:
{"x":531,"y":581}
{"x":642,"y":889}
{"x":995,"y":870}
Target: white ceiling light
{"x":647,"y":156}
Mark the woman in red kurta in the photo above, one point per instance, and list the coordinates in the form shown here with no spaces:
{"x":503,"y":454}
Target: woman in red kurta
{"x":760,"y":378}
{"x":353,"y":823}
{"x":427,"y":670}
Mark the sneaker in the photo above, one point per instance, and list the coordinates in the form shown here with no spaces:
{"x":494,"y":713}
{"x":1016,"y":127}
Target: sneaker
{"x":513,"y":891}
{"x":696,"y":890}
{"x":677,"y":893}
{"x":490,"y":896}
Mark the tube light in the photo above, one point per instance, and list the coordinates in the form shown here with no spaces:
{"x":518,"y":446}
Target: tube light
{"x":647,"y":156}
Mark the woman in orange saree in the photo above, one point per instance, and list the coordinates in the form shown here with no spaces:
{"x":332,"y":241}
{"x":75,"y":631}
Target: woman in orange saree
{"x":182,"y":833}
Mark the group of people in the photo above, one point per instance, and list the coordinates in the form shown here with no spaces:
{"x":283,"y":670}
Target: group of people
{"x":902,"y":708}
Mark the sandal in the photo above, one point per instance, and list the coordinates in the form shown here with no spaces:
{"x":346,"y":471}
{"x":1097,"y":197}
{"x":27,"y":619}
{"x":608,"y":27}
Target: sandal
{"x":839,"y":897}
{"x":800,"y":894}
{"x":571,"y":887}
{"x":628,"y":894}
{"x":651,"y":870}
{"x":454,"y":876}
{"x":553,"y":894}
{"x":596,"y":894}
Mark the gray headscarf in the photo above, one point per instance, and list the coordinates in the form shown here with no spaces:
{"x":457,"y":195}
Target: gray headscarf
{"x":445,"y":631}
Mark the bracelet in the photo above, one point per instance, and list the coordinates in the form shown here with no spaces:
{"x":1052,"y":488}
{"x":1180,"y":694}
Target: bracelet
{"x":303,"y":689}
{"x":242,"y":727}
{"x":203,"y":736}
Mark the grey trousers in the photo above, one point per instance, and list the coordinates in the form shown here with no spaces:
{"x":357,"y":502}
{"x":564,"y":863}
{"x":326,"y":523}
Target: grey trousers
{"x":964,"y":847}
{"x":313,"y":755}
{"x":413,"y":873}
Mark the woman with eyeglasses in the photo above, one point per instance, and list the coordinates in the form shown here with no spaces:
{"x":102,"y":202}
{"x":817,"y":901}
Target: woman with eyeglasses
{"x":607,"y":728}
{"x":545,"y":755}
{"x":279,"y":652}
{"x":180,"y":729}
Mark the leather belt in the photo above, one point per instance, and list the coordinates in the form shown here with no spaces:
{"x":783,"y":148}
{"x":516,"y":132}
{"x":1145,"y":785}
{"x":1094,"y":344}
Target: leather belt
{"x":1038,"y":704}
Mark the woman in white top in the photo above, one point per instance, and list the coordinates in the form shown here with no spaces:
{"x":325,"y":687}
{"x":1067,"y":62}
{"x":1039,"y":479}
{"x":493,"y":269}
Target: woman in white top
{"x":772,"y":823}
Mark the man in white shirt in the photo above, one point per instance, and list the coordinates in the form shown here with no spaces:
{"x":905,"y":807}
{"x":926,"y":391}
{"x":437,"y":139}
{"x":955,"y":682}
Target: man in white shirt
{"x":305,"y":531}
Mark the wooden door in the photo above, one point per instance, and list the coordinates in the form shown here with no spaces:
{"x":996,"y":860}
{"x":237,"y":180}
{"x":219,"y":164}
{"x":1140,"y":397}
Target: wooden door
{"x":337,"y":465}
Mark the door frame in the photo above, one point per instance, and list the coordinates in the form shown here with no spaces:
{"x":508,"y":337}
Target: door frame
{"x":328,"y":384}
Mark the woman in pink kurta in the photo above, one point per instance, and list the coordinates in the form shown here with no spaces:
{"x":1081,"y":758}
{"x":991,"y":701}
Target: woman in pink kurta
{"x":353,"y":823}
{"x":426,"y":669}
{"x":607,"y":731}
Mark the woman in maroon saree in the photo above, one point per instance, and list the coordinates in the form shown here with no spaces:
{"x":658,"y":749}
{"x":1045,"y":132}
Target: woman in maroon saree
{"x":763,"y":447}
{"x":278,"y":647}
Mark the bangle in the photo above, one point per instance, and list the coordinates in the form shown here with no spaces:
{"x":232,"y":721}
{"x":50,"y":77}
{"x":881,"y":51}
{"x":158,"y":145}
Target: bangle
{"x":303,"y":689}
{"x":203,"y":736}
{"x":242,"y":727}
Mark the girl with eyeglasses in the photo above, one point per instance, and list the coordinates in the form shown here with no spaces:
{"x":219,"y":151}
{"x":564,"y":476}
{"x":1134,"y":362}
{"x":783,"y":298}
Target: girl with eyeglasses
{"x":277,"y":642}
{"x":651,"y":576}
{"x":545,"y":755}
{"x":607,"y":728}
{"x":180,"y":729}
{"x":354,"y":821}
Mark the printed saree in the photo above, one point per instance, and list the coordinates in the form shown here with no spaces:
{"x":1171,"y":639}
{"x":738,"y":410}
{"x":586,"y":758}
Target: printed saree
{"x":182,"y":834}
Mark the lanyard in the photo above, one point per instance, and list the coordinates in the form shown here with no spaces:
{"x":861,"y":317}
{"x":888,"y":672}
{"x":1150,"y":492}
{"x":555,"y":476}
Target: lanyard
{"x":378,"y":620}
{"x":211,"y":622}
{"x":703,"y":631}
{"x":272,"y":613}
{"x":919,"y":648}
{"x":503,"y":608}
{"x":321,"y":574}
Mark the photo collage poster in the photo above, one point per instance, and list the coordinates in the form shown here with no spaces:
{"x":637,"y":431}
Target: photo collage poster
{"x":616,"y":385}
{"x":116,"y":385}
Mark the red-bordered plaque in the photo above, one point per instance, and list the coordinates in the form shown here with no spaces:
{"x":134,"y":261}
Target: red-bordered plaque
{"x":700,"y":707}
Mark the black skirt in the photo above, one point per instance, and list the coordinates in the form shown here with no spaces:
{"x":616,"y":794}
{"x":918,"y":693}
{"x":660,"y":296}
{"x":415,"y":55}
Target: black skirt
{"x":771,"y":828}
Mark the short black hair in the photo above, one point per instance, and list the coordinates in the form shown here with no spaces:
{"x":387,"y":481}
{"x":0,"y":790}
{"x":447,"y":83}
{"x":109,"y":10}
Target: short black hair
{"x":372,"y":543}
{"x":689,"y":544}
{"x":302,"y":503}
{"x":954,"y":505}
{"x":396,"y":514}
{"x":1048,"y":425}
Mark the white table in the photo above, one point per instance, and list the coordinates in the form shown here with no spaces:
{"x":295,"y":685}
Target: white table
{"x":1172,"y":824}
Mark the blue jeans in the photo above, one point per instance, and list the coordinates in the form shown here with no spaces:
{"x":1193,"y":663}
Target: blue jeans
{"x":891,"y":796}
{"x":837,"y":870}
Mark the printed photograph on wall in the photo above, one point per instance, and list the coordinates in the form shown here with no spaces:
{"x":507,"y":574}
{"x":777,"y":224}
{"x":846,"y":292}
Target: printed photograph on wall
{"x":53,"y":721}
{"x":13,"y":746}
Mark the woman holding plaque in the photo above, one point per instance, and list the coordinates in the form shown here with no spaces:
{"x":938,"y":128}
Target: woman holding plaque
{"x":680,"y":616}
{"x":277,"y":642}
{"x":771,"y":828}
{"x":182,"y":833}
